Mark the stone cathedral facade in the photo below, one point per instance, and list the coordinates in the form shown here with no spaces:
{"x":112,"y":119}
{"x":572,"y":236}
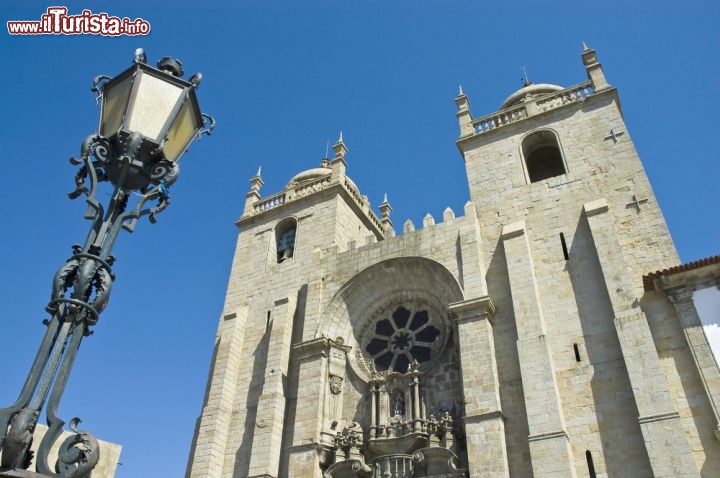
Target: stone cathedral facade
{"x":529,"y":335}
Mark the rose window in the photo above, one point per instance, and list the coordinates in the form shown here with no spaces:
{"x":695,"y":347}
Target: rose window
{"x":396,"y":341}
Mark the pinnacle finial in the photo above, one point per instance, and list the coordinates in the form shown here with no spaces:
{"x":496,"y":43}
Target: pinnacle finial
{"x":339,"y":148}
{"x":385,"y":210}
{"x":385,"y":205}
{"x":256,"y":182}
{"x":461,"y":91}
{"x":594,"y":69}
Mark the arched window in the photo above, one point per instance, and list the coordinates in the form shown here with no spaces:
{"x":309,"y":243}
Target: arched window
{"x":543,"y":158}
{"x":285,"y":238}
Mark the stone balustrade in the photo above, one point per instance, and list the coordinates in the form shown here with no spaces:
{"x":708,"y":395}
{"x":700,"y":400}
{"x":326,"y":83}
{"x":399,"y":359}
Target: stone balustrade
{"x":499,"y":118}
{"x":308,"y":188}
{"x":269,"y":203}
{"x":568,"y":95}
{"x":362,"y":202}
{"x":400,"y":466}
{"x":532,"y":107}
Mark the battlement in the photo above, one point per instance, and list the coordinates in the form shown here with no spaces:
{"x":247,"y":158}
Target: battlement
{"x":428,"y":227}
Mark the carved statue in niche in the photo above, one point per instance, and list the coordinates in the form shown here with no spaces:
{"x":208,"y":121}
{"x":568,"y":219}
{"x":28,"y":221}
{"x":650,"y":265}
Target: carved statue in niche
{"x":398,"y":404}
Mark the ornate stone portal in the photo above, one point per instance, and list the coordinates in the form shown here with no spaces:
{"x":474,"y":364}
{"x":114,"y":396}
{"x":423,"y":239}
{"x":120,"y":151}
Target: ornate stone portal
{"x":402,"y":441}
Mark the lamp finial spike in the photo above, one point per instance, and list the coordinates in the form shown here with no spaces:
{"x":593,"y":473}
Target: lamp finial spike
{"x":140,"y":56}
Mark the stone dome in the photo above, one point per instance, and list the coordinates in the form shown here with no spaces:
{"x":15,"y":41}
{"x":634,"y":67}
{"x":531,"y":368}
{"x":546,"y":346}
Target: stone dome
{"x":313,"y":174}
{"x":309,"y":175}
{"x":530,"y":92}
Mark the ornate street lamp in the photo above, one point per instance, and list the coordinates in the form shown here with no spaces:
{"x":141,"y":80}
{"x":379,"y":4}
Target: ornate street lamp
{"x":149,"y":116}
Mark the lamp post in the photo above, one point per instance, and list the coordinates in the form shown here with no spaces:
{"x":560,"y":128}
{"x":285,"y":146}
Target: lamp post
{"x":148,"y":118}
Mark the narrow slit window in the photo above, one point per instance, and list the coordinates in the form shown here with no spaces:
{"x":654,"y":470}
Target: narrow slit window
{"x":267,"y":321}
{"x":564,"y":246}
{"x":590,"y":464}
{"x":577,"y":352}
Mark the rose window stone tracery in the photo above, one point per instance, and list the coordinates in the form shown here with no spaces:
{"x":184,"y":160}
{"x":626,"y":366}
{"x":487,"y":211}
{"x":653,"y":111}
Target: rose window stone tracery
{"x":398,"y":339}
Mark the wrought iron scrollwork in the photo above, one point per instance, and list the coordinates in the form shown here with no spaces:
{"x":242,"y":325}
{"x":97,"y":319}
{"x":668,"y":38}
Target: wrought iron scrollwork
{"x":209,"y":126}
{"x":139,"y":174}
{"x":78,"y":453}
{"x":80,"y":291}
{"x":99,"y":83}
{"x":17,"y":442}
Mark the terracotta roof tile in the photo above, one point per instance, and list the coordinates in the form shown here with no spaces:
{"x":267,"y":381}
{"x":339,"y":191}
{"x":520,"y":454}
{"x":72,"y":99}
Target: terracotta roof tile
{"x":649,"y":279}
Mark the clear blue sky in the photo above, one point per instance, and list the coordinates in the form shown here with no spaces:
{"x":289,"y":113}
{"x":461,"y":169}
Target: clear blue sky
{"x":283,"y":78}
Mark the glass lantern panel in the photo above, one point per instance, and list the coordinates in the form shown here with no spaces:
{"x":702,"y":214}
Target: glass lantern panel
{"x":115,"y":98}
{"x":152,"y":104}
{"x":182,"y":131}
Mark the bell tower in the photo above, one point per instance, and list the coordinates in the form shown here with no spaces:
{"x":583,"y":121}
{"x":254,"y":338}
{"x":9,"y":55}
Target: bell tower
{"x":570,"y":224}
{"x":286,"y":243}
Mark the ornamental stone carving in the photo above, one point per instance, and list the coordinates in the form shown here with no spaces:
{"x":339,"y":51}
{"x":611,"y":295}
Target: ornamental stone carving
{"x":336,"y":383}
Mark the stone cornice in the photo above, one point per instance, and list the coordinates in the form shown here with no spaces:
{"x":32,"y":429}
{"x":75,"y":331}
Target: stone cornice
{"x":483,"y":417}
{"x":548,"y":435}
{"x":473,"y":309}
{"x":311,"y":348}
{"x":596,"y":207}
{"x":513,"y":230}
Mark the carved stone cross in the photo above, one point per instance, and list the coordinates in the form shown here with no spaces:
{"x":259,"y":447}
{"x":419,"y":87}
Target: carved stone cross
{"x":614,"y":135}
{"x":637,"y":202}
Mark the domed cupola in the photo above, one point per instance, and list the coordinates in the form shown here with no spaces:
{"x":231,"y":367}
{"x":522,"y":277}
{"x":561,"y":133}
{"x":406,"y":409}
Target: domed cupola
{"x":310,"y":175}
{"x":530,"y":92}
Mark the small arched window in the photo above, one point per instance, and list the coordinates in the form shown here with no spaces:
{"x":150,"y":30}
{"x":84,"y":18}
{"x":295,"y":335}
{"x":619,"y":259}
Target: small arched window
{"x":285,"y":238}
{"x":543,"y":158}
